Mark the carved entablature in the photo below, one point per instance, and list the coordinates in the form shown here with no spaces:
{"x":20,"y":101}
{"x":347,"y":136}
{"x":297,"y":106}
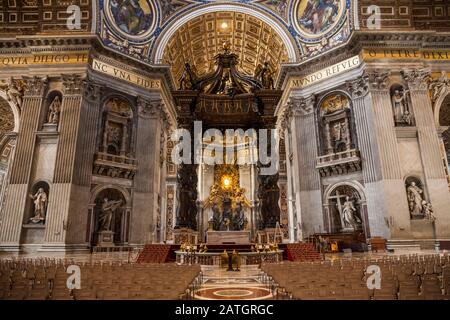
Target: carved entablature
{"x":35,"y":86}
{"x":417,"y":79}
{"x":379,"y":80}
{"x":73,"y":84}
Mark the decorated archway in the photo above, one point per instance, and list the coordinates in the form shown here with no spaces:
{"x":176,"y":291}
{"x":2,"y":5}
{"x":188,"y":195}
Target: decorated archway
{"x":9,"y":124}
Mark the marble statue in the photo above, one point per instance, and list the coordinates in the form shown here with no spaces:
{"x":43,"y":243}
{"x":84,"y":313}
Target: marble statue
{"x":428,"y":211}
{"x":13,"y":93}
{"x":439,"y":86}
{"x":415,"y":199}
{"x":40,"y":200}
{"x":349,"y":216}
{"x":107,"y":212}
{"x":407,"y":118}
{"x":399,"y":104}
{"x":54,"y":110}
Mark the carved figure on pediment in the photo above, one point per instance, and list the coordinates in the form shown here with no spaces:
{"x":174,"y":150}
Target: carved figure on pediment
{"x":13,"y":92}
{"x":439,"y":86}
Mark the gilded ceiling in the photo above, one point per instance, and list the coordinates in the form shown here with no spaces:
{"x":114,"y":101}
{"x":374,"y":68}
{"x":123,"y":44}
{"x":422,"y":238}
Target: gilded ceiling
{"x":202,"y":38}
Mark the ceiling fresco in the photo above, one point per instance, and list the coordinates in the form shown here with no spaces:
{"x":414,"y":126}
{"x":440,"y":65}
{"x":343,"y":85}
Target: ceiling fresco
{"x":135,"y":27}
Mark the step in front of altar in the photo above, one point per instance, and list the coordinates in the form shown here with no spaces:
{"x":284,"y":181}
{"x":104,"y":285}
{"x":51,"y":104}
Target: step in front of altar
{"x":228,"y":237}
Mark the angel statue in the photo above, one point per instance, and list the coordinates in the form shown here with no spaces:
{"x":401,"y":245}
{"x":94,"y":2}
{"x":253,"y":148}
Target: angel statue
{"x":188,"y":78}
{"x":13,"y":92}
{"x":264,"y":75}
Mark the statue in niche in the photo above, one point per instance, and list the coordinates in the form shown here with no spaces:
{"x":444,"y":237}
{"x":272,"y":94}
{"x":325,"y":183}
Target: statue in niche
{"x":107,"y":212}
{"x":340,"y":136}
{"x":415,"y":200}
{"x":349,"y":215}
{"x":40,"y":200}
{"x":400,"y":104}
{"x":54,"y":110}
{"x":113,"y":139}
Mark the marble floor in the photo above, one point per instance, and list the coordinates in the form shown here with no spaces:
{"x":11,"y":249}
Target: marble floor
{"x":246,"y":284}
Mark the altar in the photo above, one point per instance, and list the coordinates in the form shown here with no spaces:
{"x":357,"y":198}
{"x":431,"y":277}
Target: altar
{"x":228,"y":237}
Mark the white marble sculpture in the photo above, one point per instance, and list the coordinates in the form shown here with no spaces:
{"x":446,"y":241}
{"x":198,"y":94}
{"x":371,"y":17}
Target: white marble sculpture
{"x":40,"y":200}
{"x":415,"y":199}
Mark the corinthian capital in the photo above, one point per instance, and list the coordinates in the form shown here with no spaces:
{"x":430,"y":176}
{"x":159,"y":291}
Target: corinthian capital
{"x":150,"y":108}
{"x":35,"y":86}
{"x":73,"y":84}
{"x":92,"y":92}
{"x":300,"y":106}
{"x":417,"y":79}
{"x":359,"y":87}
{"x":379,"y":80}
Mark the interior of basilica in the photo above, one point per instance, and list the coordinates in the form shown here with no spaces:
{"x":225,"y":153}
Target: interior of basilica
{"x":224,"y":150}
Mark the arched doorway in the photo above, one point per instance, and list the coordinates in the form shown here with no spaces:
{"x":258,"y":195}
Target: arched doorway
{"x":346,"y":209}
{"x":8,"y":125}
{"x":109,"y":216}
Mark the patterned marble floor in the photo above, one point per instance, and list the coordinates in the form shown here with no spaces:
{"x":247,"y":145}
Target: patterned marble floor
{"x":219,"y":284}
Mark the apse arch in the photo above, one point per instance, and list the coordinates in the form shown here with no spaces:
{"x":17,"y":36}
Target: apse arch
{"x":173,"y":27}
{"x":15,"y":110}
{"x":440,"y":103}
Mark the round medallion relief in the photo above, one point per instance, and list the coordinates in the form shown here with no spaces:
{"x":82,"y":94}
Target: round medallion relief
{"x":316,"y":18}
{"x":133,"y":19}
